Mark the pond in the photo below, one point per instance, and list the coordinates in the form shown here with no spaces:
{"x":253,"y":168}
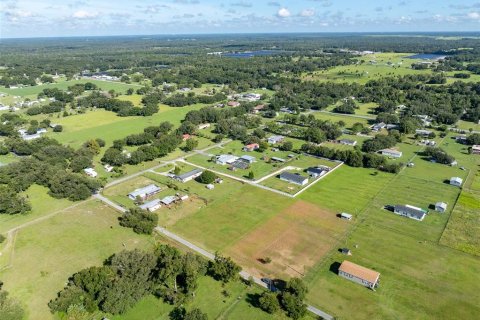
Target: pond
{"x":427,"y":56}
{"x":250,"y":54}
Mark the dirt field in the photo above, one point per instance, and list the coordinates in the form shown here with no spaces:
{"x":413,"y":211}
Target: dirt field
{"x":294,"y":240}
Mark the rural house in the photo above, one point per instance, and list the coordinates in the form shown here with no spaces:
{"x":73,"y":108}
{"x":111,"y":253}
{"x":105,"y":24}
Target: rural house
{"x":151,"y":206}
{"x":423,"y":133}
{"x":316,"y":172}
{"x":294,"y":178}
{"x":203,"y":126}
{"x":275,"y":139}
{"x":391,"y":153}
{"x":359,"y":274}
{"x":144,"y":192}
{"x":90,"y":172}
{"x":456,"y":181}
{"x":476,"y":149}
{"x":251,"y":147}
{"x":189,"y":175}
{"x":348,"y":142}
{"x":378,"y":126}
{"x":410,"y":212}
{"x":225,"y":159}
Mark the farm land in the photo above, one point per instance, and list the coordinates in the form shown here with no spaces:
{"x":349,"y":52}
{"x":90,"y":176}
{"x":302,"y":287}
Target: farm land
{"x":429,"y":269}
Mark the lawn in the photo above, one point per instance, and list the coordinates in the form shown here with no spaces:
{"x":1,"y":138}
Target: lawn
{"x":347,"y":189}
{"x":48,"y":252}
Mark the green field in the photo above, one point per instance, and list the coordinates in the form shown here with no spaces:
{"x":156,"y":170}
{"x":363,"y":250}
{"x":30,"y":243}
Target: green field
{"x":63,"y":85}
{"x":48,"y":252}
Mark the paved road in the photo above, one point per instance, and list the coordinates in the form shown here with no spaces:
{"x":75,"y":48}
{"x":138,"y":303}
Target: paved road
{"x":164,"y":163}
{"x":250,"y":182}
{"x":109,"y":202}
{"x":243,"y":274}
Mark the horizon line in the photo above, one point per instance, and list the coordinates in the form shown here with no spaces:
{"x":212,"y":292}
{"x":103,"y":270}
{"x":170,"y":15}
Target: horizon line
{"x":241,"y":33}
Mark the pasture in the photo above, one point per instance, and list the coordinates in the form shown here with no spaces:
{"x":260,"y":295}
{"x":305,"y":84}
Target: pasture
{"x":48,"y":252}
{"x":295,"y":240}
{"x":463,"y":228}
{"x":63,"y":84}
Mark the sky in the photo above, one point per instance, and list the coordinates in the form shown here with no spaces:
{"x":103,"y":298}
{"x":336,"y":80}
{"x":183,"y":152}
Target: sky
{"x":52,"y":18}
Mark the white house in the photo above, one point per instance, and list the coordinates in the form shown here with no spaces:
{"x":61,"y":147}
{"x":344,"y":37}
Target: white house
{"x":225,"y":159}
{"x":144,"y":192}
{"x":456,"y":181}
{"x":90,"y":172}
{"x":293,"y":178}
{"x":391,"y":153}
{"x":108,"y":168}
{"x":189,"y":175}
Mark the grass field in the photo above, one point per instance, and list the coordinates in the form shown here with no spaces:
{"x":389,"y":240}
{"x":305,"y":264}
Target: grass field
{"x":463,"y":229}
{"x":48,"y":252}
{"x":63,"y":85}
{"x":295,"y":240}
{"x":374,"y":66}
{"x":348,"y":119}
{"x":210,"y":299}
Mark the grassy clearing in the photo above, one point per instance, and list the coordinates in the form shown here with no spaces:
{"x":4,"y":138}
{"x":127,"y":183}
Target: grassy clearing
{"x":347,"y":189}
{"x":63,"y":85}
{"x":349,"y":120}
{"x":235,"y":214}
{"x":47,"y":253}
{"x":419,"y":193}
{"x":42,"y":204}
{"x":210,"y":299}
{"x":295,"y":239}
{"x":466,"y":125}
{"x":463,"y":227}
{"x":108,"y":126}
{"x":419,"y":280}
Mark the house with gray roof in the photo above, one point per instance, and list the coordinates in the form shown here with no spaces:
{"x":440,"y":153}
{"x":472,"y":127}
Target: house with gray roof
{"x":293,"y":178}
{"x":410,"y":212}
{"x":151,"y":206}
{"x":168,"y":200}
{"x":144,"y":192}
{"x":189,"y":175}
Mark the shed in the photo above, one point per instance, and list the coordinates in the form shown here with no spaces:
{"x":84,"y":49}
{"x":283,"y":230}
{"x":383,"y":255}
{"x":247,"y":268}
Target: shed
{"x":456,"y":181}
{"x":210,"y":186}
{"x":441,"y":207}
{"x":168,"y":200}
{"x":248,"y":159}
{"x":346,"y":216}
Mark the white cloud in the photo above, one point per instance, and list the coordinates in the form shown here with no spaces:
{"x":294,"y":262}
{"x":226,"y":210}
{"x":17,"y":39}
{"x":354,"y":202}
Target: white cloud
{"x":307,"y":13}
{"x":474,"y":15}
{"x":82,"y":14}
{"x":283,"y":13}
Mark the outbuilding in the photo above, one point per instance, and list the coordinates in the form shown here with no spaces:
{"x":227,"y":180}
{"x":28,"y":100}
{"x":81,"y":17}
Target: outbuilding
{"x":441,"y":207}
{"x":151,"y":206}
{"x":90,"y":172}
{"x":346,"y":216}
{"x":456,"y":181}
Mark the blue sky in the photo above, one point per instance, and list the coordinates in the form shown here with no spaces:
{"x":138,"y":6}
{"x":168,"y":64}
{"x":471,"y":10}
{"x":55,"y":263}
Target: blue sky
{"x":37,"y":18}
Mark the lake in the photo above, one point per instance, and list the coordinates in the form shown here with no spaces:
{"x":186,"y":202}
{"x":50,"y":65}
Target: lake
{"x":250,"y":54}
{"x":427,"y":56}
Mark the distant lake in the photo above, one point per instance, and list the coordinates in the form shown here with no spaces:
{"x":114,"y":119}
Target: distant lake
{"x":250,"y":54}
{"x":427,"y":56}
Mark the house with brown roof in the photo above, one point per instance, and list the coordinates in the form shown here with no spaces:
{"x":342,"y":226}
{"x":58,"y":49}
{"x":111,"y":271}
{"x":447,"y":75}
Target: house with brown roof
{"x":361,"y":275}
